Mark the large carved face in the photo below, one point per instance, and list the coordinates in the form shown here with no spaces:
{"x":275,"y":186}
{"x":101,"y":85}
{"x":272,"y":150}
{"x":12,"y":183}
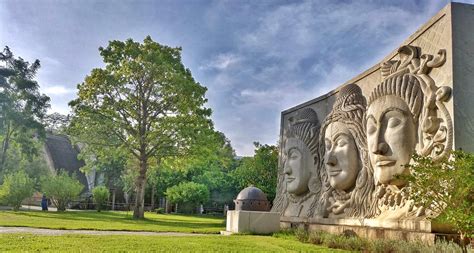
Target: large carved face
{"x":297,"y":167}
{"x":341,"y":156}
{"x":391,"y":137}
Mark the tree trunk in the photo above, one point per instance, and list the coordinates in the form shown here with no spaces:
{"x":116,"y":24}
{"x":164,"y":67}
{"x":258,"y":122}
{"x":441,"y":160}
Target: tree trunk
{"x":153,"y":189}
{"x":113,"y":200}
{"x":5,"y":145}
{"x":139,"y":209}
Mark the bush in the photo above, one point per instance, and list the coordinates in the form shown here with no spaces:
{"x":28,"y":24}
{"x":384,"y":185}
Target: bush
{"x":100,"y":195}
{"x":188,"y":193}
{"x":62,"y":189}
{"x":15,"y":188}
{"x":353,"y":243}
{"x":160,"y":210}
{"x":446,"y":187}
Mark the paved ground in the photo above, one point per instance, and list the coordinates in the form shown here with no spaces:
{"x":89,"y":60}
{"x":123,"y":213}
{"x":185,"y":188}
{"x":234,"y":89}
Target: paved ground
{"x":41,"y":231}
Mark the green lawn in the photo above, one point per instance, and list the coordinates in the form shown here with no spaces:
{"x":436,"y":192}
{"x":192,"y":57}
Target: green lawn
{"x":94,"y":220}
{"x":135,"y":243}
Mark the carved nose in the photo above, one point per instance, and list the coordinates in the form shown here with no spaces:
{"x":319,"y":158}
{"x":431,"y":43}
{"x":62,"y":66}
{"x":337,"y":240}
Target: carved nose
{"x":286,"y":169}
{"x":381,"y":148}
{"x":331,"y":161}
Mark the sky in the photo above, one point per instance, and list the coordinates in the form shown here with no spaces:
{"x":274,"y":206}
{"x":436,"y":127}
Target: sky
{"x":257,"y":58}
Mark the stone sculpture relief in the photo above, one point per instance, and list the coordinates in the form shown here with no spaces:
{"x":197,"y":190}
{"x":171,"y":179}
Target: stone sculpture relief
{"x":348,"y":167}
{"x":406,"y":114}
{"x":299,"y":185}
{"x":346,"y":174}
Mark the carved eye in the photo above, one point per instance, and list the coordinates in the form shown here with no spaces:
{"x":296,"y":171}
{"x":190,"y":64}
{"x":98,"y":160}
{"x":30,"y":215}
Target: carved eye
{"x":328,"y":144}
{"x":393,"y":122}
{"x":294,"y":154}
{"x":341,"y":143}
{"x":371,"y":129}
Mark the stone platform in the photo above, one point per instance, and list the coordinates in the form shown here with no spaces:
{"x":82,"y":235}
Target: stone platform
{"x":409,"y":230}
{"x":252,"y":222}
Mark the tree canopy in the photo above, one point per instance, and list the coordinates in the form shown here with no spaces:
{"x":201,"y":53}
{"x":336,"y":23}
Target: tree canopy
{"x":22,"y":106}
{"x":144,"y":101}
{"x":261,"y":170}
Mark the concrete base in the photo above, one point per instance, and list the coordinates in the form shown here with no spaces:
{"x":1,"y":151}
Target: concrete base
{"x":252,"y":222}
{"x":409,"y":230}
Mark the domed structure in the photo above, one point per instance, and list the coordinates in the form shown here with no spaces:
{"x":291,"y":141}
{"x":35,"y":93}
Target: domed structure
{"x":252,"y":199}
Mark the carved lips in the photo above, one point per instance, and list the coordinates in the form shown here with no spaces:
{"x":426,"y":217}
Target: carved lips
{"x":384,"y":162}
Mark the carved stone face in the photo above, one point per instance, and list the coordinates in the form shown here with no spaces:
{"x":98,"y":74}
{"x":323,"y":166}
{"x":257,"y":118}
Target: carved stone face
{"x":297,"y":166}
{"x":341,"y":156}
{"x":391,"y":137}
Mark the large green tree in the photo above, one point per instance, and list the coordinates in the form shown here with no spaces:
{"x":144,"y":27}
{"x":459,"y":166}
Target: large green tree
{"x":261,"y":170}
{"x":145,"y":100}
{"x":22,"y":106}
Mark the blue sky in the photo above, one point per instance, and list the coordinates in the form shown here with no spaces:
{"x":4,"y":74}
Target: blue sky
{"x":256,"y":57}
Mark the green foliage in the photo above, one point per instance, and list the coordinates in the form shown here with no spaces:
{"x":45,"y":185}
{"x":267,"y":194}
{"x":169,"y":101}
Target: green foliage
{"x":56,"y":122}
{"x":261,"y":170}
{"x":62,"y":189}
{"x":188,"y":193}
{"x":446,"y":187}
{"x":22,"y":107}
{"x":210,"y":162}
{"x":34,"y":166}
{"x":144,"y":102}
{"x":101,"y":196}
{"x":15,"y":188}
{"x":351,"y":242}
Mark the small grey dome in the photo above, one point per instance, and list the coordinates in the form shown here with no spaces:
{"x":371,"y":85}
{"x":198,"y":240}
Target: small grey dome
{"x":252,"y":199}
{"x":251,"y":193}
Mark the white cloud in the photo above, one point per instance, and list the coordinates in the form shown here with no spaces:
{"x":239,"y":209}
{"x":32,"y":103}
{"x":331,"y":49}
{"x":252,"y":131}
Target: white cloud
{"x":57,"y":90}
{"x":222,"y":61}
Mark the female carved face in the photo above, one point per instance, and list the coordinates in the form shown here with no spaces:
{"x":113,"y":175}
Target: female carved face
{"x":341,"y":156}
{"x":391,"y":138}
{"x":297,"y":166}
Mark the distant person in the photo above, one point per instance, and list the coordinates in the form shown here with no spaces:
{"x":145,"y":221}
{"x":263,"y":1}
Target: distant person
{"x":44,"y":203}
{"x":226,"y":208}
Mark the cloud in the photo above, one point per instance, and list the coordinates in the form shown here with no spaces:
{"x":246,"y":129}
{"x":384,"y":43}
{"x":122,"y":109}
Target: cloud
{"x":294,"y":52}
{"x":256,"y":58}
{"x":222,"y":61}
{"x":57,"y":90}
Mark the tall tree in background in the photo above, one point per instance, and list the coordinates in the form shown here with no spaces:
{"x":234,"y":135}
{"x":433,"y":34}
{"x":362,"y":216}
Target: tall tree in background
{"x":261,"y":170}
{"x":22,"y":106}
{"x":56,"y":122}
{"x":146,"y":100}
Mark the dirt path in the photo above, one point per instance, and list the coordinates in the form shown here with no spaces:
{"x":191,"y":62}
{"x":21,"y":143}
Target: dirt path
{"x":42,"y":231}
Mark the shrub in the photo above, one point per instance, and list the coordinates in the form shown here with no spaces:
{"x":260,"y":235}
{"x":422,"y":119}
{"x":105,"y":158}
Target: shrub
{"x":160,"y":210}
{"x":15,"y":188}
{"x":62,"y":189}
{"x":188,"y":193}
{"x":351,"y":242}
{"x":101,"y":196}
{"x":446,"y":187}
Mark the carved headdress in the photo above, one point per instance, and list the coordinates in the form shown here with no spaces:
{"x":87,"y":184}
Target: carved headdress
{"x":305,"y":126}
{"x":349,"y":108}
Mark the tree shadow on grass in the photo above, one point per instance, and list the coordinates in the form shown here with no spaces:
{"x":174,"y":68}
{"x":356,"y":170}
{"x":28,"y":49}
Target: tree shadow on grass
{"x":121,"y":221}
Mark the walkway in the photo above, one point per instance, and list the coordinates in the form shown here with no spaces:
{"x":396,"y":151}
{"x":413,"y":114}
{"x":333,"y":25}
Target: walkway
{"x":42,"y":231}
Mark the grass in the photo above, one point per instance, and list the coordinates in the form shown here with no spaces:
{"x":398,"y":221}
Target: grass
{"x":135,"y":243}
{"x":119,"y":221}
